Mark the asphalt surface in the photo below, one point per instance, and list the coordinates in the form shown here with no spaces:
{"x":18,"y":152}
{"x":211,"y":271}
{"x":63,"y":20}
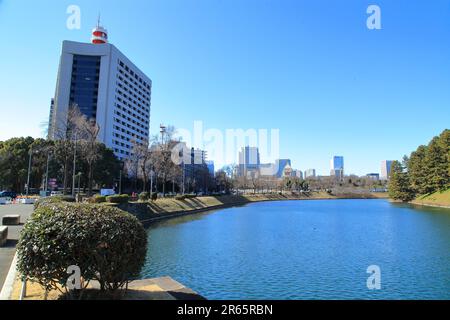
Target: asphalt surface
{"x":7,"y":252}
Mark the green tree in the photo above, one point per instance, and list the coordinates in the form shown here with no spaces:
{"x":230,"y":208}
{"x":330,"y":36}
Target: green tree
{"x":14,"y":156}
{"x":399,"y":185}
{"x":418,"y":171}
{"x":436,"y":166}
{"x":444,"y":140}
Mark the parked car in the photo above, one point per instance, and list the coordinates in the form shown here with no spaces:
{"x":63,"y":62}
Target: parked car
{"x":56,"y":193}
{"x":8,"y":194}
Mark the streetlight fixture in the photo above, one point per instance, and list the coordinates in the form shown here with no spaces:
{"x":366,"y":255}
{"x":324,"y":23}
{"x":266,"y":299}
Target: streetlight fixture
{"x":30,"y":152}
{"x":79,"y":178}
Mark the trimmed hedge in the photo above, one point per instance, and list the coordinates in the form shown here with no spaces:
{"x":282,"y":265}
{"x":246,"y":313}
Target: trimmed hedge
{"x":144,"y":196}
{"x":97,"y":199}
{"x":106,"y":243}
{"x":123,"y":198}
{"x":185,"y":196}
{"x":51,"y":200}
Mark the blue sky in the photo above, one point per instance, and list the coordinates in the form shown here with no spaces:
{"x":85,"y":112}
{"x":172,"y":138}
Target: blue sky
{"x":310,"y":68}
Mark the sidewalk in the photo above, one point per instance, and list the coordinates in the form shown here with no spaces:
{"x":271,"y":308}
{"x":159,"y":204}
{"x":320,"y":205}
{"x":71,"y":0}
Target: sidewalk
{"x":7,"y":252}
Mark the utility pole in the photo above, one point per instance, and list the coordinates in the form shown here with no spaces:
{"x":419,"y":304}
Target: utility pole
{"x":29,"y":170}
{"x":74,"y":166}
{"x":79,"y":178}
{"x":163,"y":131}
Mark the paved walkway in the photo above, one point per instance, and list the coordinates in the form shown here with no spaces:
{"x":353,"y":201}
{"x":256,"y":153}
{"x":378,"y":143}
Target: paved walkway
{"x":7,"y":252}
{"x":164,"y":288}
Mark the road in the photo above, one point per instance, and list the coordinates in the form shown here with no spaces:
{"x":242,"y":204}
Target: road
{"x":7,"y":252}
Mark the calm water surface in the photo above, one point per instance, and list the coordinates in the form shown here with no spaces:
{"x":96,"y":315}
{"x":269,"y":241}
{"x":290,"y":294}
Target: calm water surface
{"x":306,"y":250}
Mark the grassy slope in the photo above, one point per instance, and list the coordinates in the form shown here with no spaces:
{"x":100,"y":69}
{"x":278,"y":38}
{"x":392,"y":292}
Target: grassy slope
{"x":436,"y":199}
{"x":168,"y":206}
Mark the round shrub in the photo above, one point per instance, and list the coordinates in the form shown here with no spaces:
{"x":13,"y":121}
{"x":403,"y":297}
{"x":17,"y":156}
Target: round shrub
{"x":106,"y":243}
{"x":144,"y":196}
{"x":154,"y":196}
{"x":97,"y":199}
{"x":123,"y":198}
{"x":51,"y":200}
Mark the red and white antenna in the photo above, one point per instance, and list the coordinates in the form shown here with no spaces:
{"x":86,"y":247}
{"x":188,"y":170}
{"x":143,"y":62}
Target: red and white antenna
{"x":99,"y":34}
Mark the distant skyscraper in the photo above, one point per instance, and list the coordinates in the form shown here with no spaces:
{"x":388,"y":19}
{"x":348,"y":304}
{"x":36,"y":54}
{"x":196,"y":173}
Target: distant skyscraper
{"x":282,"y":166}
{"x":210,"y":165}
{"x":386,"y":169}
{"x":298,"y":174}
{"x":108,"y":88}
{"x":337,"y":167}
{"x":310,"y":173}
{"x":249,"y":160}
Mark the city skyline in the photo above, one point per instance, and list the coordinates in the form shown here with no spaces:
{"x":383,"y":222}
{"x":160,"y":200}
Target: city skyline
{"x":194,"y":64}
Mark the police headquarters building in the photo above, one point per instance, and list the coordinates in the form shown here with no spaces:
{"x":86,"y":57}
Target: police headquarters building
{"x":107,"y":87}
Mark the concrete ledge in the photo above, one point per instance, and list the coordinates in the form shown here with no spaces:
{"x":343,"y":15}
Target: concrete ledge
{"x":11,"y":220}
{"x":3,"y":235}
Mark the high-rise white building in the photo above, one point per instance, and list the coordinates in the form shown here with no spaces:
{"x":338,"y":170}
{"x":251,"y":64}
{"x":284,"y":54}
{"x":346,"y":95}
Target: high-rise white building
{"x":107,"y":87}
{"x":386,"y":169}
{"x":249,"y":160}
{"x":310,"y":174}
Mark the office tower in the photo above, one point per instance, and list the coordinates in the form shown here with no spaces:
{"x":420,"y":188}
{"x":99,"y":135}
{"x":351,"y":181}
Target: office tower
{"x":249,"y":160}
{"x":386,"y":169}
{"x":310,"y":173}
{"x":106,"y":87}
{"x":337,"y":167}
{"x":283,"y":167}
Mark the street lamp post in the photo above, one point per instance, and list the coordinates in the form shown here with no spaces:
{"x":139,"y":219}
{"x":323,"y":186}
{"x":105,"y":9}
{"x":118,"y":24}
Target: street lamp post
{"x":79,"y":178}
{"x":29,"y":170}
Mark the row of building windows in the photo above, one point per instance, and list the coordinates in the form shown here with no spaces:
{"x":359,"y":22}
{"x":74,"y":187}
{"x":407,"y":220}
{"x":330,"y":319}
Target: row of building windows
{"x":129,"y":87}
{"x":131,"y":127}
{"x":129,"y":112}
{"x":134,"y":75}
{"x":142,"y":106}
{"x":127,"y":103}
{"x":128,"y":76}
{"x":116,"y":151}
{"x":133,"y":136}
{"x":121,"y":144}
{"x":142,"y":124}
{"x":129,"y":119}
{"x":124,"y":95}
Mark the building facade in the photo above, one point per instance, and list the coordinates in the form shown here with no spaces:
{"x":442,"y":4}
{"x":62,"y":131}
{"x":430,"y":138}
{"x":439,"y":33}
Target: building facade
{"x":386,"y":169}
{"x":249,"y":161}
{"x":310,"y":174}
{"x":108,"y":88}
{"x":337,"y":167}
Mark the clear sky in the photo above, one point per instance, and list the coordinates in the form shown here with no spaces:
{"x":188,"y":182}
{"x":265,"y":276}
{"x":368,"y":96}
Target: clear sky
{"x":309,"y":68}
